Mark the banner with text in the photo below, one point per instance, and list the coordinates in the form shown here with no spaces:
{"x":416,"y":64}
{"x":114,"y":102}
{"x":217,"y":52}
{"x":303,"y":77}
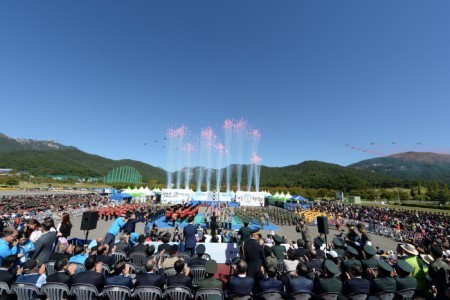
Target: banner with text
{"x":250,"y":198}
{"x":175,"y":196}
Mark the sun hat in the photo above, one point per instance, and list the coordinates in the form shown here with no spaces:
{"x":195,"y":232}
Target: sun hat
{"x":410,"y":249}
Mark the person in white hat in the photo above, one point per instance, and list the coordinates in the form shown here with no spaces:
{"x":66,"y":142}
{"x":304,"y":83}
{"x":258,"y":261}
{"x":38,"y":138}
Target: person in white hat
{"x":417,"y":266}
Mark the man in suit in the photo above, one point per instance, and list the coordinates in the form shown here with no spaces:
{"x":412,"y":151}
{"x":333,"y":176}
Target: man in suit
{"x":355,"y":284}
{"x":121,"y":276}
{"x":299,"y":283}
{"x":5,"y":275}
{"x":181,"y":278}
{"x":123,"y":244}
{"x":150,"y":277}
{"x":102,"y":256}
{"x":240,"y":284}
{"x":254,"y":255}
{"x":210,"y":281}
{"x":199,"y":260}
{"x":271,"y":283}
{"x":190,"y":240}
{"x":62,"y":251}
{"x":93,"y":274}
{"x":44,"y":245}
{"x":141,"y":247}
{"x":64,"y":272}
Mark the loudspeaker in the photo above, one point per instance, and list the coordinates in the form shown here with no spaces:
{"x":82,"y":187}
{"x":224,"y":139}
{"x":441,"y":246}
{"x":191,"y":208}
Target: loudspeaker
{"x":266,"y":202}
{"x":89,"y":220}
{"x":322,"y":225}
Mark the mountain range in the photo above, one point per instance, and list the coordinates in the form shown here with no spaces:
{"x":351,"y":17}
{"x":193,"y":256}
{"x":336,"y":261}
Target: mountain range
{"x":50,"y":157}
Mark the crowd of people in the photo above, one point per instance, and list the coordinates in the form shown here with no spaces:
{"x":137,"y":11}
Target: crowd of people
{"x":350,"y":264}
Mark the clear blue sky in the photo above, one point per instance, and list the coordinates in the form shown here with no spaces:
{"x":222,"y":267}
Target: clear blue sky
{"x":313,"y":76}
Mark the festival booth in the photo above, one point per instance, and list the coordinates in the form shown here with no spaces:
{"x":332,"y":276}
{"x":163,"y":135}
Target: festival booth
{"x":120,"y":197}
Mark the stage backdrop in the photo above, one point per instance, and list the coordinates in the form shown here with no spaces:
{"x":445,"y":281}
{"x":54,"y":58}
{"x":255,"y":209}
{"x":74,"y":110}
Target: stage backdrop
{"x":250,"y":198}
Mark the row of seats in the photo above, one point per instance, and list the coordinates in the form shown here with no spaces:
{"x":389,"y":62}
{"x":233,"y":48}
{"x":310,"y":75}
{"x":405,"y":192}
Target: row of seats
{"x":60,"y":291}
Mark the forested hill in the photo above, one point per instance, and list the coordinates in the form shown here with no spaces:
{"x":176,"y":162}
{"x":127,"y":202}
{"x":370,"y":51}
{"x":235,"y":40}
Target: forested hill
{"x":316,"y":174}
{"x":410,"y":166}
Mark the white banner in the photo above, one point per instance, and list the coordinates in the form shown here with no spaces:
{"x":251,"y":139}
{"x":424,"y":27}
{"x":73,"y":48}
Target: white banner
{"x":250,"y":198}
{"x":175,"y":196}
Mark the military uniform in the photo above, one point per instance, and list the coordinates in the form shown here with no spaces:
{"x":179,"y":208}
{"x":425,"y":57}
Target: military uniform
{"x":211,"y":282}
{"x":244,"y":232}
{"x":329,"y":284}
{"x":254,"y":255}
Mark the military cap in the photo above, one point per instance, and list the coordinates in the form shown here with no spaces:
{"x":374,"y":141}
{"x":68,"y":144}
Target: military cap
{"x":384,"y":265}
{"x":404,"y":266}
{"x":256,"y":230}
{"x":436,"y":250}
{"x":211,"y":266}
{"x":331,"y":266}
{"x":369,"y":250}
{"x":278,"y":238}
{"x":338,"y":242}
{"x":352,"y":250}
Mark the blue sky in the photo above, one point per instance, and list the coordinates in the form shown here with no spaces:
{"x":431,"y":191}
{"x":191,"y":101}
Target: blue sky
{"x":312,"y":76}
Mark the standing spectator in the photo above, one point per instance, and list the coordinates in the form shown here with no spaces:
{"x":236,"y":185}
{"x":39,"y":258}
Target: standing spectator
{"x":44,"y":245}
{"x":114,"y":230}
{"x":190,"y":240}
{"x":254,"y":255}
{"x":438,"y":272}
{"x":65,"y":227}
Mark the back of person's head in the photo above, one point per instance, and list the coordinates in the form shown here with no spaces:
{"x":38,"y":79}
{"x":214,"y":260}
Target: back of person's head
{"x":60,"y":264}
{"x":78,"y":250}
{"x":271,"y":272}
{"x":241,"y":267}
{"x":356,"y":270}
{"x":119,"y":267}
{"x":165,"y":239}
{"x":141,"y":239}
{"x":8,"y":261}
{"x":89,"y":263}
{"x":151,"y":250}
{"x":46,"y":225}
{"x":61,"y":248}
{"x":267,"y":251}
{"x":101,"y":250}
{"x":150,"y":265}
{"x":179,"y":266}
{"x":100,"y":240}
{"x":312,"y":253}
{"x":50,"y":221}
{"x":302,"y":269}
{"x":301,"y":243}
{"x":123,"y":237}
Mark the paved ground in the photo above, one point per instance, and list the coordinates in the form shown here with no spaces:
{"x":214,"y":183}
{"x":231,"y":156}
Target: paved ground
{"x":289,"y":231}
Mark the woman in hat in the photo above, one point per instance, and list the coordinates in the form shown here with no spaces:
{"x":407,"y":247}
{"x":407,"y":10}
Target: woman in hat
{"x":417,"y":265}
